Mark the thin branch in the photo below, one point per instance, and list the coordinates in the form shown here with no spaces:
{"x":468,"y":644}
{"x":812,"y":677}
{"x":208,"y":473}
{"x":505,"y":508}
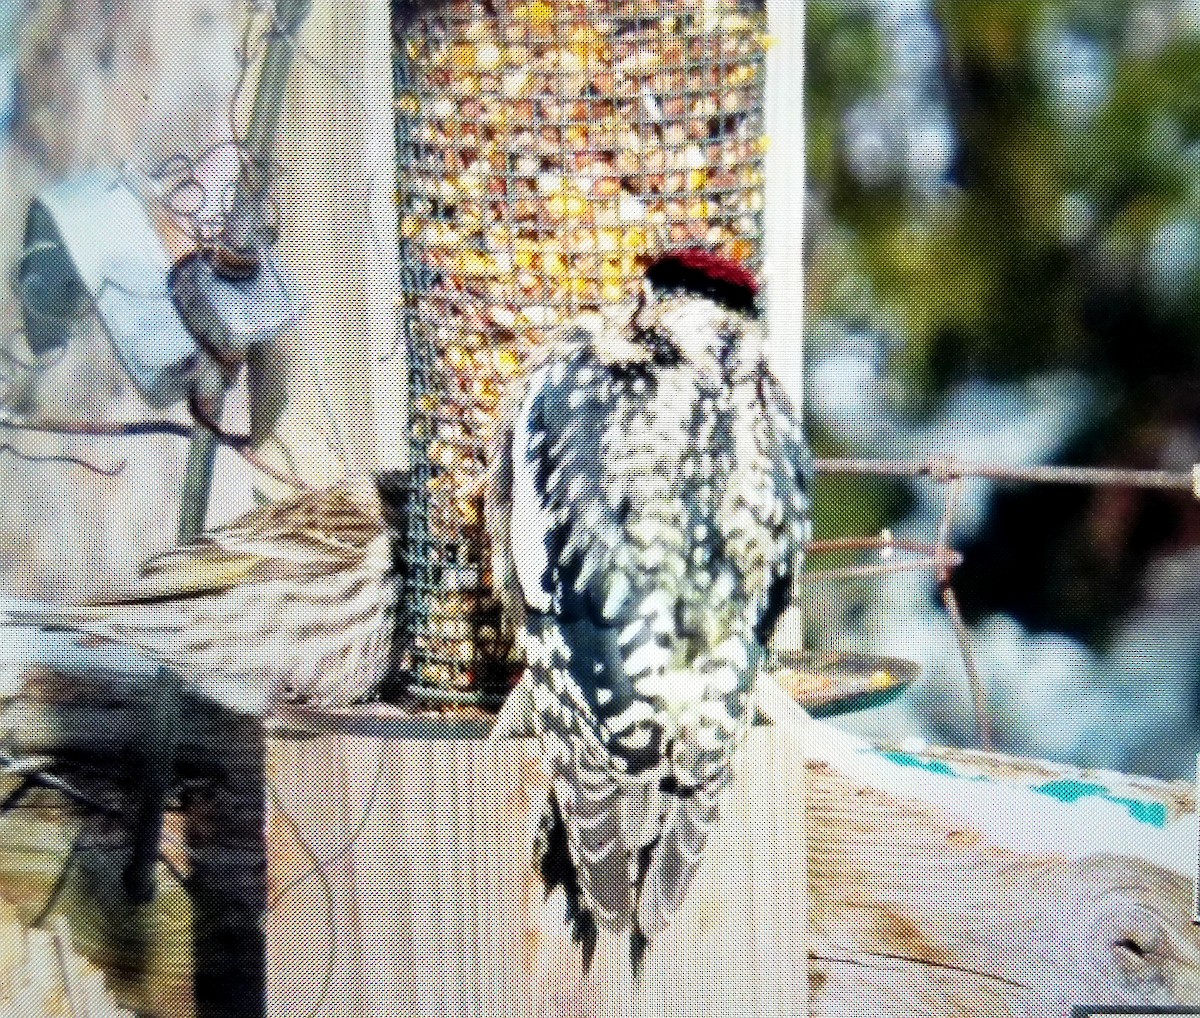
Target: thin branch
{"x":927,"y":556}
{"x":983,"y":724}
{"x":134,"y":429}
{"x":118,"y":429}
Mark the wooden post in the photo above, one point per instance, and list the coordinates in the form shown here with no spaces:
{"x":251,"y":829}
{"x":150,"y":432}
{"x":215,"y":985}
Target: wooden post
{"x":932,"y":882}
{"x":340,"y":376}
{"x":433,"y":907}
{"x":946,"y":882}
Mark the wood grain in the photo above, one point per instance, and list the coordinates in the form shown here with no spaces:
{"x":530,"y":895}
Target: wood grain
{"x":437,"y":910}
{"x":909,"y":881}
{"x":947,"y":882}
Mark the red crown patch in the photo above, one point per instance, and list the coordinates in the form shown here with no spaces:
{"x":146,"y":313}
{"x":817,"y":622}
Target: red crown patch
{"x":695,"y":270}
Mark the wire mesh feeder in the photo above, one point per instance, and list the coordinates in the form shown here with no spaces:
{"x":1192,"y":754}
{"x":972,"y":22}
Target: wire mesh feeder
{"x":546,"y":151}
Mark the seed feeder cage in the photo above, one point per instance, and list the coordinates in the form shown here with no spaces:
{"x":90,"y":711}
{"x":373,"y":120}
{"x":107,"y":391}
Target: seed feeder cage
{"x":546,"y":151}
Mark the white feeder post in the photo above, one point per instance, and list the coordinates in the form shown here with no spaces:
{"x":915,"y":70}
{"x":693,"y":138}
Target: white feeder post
{"x":785,"y":191}
{"x":784,"y":233}
{"x":342,"y":370}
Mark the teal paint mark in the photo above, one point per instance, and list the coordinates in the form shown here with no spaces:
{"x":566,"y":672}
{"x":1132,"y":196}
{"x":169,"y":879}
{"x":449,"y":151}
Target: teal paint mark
{"x":908,"y":760}
{"x":1067,"y":790}
{"x":1152,"y":813}
{"x":1064,"y":790}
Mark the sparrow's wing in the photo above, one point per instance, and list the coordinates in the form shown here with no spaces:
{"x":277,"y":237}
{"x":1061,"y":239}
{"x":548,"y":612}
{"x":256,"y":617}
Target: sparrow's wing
{"x":308,"y":536}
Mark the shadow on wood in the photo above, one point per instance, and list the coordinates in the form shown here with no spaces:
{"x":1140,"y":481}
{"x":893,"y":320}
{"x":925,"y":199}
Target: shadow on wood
{"x":197,"y":946}
{"x":909,"y":881}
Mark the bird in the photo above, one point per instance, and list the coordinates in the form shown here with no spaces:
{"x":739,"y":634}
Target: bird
{"x":648,"y":509}
{"x":296,"y":599}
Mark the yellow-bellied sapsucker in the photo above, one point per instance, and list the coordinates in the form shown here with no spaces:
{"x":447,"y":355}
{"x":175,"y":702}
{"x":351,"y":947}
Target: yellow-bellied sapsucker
{"x":649,"y":511}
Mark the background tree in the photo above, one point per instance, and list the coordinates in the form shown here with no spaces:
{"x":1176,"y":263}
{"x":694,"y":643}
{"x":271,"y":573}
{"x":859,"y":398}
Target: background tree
{"x":1005,"y":193}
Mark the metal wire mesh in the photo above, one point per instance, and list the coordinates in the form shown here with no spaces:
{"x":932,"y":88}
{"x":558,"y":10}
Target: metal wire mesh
{"x":546,"y":150}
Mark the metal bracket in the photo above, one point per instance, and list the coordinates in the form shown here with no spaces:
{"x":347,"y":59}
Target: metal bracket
{"x":228,"y":316}
{"x":90,"y":239}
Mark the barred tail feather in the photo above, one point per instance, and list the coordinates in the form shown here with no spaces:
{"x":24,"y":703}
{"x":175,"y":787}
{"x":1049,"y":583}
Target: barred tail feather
{"x":591,"y":811}
{"x":675,"y":857}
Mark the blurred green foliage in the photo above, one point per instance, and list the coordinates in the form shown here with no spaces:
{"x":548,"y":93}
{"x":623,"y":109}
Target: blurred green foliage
{"x":1062,"y":233}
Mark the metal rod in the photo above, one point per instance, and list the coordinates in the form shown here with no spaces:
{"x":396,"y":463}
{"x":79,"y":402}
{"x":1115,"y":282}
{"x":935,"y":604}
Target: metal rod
{"x":947,"y":469}
{"x":248,"y":228}
{"x":197,"y":484}
{"x":166,"y":701}
{"x":247,"y":233}
{"x":983,"y":722}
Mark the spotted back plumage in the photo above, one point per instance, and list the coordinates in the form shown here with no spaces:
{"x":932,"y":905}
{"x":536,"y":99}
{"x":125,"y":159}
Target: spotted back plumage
{"x":655,"y":510}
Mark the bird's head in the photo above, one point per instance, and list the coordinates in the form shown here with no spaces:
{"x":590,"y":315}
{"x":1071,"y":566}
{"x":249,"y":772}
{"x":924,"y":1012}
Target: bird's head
{"x":696,"y":309}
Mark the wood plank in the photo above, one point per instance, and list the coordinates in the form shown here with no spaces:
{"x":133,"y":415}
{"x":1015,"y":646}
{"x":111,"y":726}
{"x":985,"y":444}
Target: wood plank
{"x":41,"y":976}
{"x":946,"y":882}
{"x":344,"y":407}
{"x":448,"y":917}
{"x":942,"y":882}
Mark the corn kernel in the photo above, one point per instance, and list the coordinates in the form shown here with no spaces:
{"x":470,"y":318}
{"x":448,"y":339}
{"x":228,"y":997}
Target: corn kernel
{"x":473,"y":263}
{"x":486,"y":390}
{"x":507,"y":362}
{"x":538,"y":13}
{"x":741,"y":250}
{"x":488,"y":56}
{"x":881,"y":680}
{"x":741,"y":75}
{"x":634,"y":240}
